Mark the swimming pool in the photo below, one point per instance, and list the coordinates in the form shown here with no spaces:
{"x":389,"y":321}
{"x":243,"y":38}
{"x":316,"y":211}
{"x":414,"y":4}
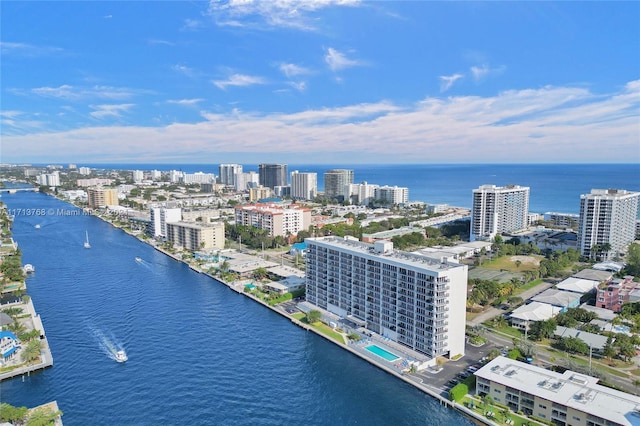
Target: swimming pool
{"x":388,"y":356}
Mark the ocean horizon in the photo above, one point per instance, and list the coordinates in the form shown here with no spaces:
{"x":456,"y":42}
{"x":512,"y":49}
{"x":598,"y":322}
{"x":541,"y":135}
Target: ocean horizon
{"x":555,"y":187}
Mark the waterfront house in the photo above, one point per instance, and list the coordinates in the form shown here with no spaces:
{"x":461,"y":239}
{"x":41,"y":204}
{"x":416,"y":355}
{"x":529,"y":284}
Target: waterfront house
{"x":9,"y":344}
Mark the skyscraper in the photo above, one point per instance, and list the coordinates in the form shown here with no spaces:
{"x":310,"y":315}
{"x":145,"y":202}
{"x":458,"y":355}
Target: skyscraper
{"x":228,"y":172}
{"x":607,"y":222}
{"x":408,"y":298}
{"x":304,"y":186}
{"x":272,"y":175}
{"x":336,"y":183}
{"x":498,"y":209}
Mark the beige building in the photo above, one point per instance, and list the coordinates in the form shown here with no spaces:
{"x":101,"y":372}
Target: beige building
{"x":196,"y":236}
{"x":259,"y":193}
{"x":277,"y":220}
{"x":101,"y":197}
{"x":563,"y":399}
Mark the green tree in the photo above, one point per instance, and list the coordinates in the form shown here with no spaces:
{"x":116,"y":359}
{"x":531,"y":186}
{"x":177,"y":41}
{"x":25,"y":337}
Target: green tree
{"x":633,"y":260}
{"x":543,"y":329}
{"x":608,"y":351}
{"x":313,"y":316}
{"x":32,"y":351}
{"x":42,"y":417}
{"x":14,"y":415}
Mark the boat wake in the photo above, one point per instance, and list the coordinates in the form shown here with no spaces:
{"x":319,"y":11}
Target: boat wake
{"x":108,"y":344}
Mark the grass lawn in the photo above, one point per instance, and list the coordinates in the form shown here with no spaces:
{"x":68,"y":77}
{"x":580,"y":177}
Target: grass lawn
{"x":505,"y":263}
{"x":527,"y":286}
{"x":328,"y":331}
{"x":498,"y":417}
{"x":321,"y":327}
{"x":508,"y":330}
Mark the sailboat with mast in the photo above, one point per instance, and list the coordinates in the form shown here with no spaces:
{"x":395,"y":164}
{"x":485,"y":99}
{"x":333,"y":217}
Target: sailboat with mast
{"x":86,"y":241}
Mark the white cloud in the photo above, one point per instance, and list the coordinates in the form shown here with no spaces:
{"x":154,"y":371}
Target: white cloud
{"x":293,"y":70}
{"x":26,"y":49}
{"x":185,"y":101}
{"x":238,"y":80}
{"x":549,"y":124}
{"x":191,"y":25}
{"x":73,"y":93}
{"x":480,"y":72}
{"x":338,"y":60}
{"x":183,"y":69}
{"x":259,"y":14}
{"x":446,"y":81}
{"x":104,"y":111}
{"x":300,"y":86}
{"x":161,"y":42}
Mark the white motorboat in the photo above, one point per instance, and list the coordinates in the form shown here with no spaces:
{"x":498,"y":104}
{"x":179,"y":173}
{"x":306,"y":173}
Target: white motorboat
{"x":28,"y":268}
{"x":86,"y":241}
{"x":138,"y":259}
{"x":37,"y":226}
{"x":121,"y":356}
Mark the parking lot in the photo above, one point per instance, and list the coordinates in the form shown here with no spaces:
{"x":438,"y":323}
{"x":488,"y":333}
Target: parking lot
{"x":453,"y":372}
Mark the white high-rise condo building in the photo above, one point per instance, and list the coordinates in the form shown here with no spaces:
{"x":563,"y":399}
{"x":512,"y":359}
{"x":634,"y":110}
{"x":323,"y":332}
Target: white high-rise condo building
{"x":498,"y":209}
{"x":336,"y":183}
{"x":138,"y":175}
{"x":304,"y":186}
{"x":392,"y":194}
{"x":244,"y":181}
{"x":408,"y":298}
{"x":228,"y":172}
{"x":160,"y":217}
{"x":607,"y":222}
{"x":362,"y":193}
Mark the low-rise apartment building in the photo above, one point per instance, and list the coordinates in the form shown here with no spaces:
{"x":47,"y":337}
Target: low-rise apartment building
{"x":279,"y":221}
{"x":563,"y":399}
{"x":613,"y":294}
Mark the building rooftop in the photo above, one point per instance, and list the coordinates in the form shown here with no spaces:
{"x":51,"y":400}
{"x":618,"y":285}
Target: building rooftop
{"x":556,"y":297}
{"x":594,"y":275}
{"x":375,"y":250}
{"x":603,"y":314}
{"x":577,"y":285}
{"x":535,"y":311}
{"x":596,"y":341}
{"x":570,"y":389}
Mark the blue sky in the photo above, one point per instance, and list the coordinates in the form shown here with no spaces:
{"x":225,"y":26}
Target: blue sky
{"x":320,"y":82}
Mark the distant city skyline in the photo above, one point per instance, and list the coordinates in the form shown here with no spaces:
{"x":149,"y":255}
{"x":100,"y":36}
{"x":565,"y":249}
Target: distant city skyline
{"x":326,"y":82}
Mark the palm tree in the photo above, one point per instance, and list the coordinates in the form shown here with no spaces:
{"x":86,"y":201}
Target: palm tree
{"x":32,"y":351}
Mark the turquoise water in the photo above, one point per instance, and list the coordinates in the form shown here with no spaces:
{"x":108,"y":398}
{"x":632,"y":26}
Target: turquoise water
{"x":382,"y":353}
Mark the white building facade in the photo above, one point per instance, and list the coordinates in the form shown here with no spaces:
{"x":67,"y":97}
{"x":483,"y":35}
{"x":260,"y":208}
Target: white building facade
{"x":245,"y":181}
{"x":498,"y":209}
{"x":228,"y":172}
{"x":304,"y":186}
{"x":408,"y":298}
{"x":395,"y":195}
{"x":607,"y":216}
{"x":160,"y":217}
{"x":362,"y":193}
